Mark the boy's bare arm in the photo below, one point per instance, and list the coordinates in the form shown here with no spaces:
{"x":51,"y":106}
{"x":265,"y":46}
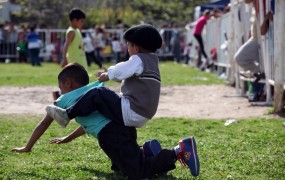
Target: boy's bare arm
{"x":264,"y":25}
{"x":37,"y":133}
{"x":69,"y":39}
{"x":76,"y":133}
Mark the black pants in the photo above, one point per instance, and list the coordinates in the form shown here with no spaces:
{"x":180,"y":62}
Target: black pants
{"x":90,"y":56}
{"x":100,"y":99}
{"x":201,"y":44}
{"x":23,"y":57}
{"x":119,"y":143}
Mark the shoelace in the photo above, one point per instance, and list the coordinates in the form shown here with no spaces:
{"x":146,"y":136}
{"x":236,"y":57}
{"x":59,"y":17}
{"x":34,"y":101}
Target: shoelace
{"x":180,"y":156}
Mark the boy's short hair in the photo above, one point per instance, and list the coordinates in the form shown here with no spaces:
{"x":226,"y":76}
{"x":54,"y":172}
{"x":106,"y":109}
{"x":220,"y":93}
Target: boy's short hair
{"x":76,"y":72}
{"x":76,"y":13}
{"x":145,"y":36}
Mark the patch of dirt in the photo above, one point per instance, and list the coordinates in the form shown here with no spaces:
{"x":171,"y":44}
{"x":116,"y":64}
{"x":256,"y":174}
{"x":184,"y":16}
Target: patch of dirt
{"x":210,"y":102}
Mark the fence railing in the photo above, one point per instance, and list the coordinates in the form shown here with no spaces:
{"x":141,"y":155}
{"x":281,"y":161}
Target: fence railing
{"x":222,"y":36}
{"x":52,"y":41}
{"x":227,"y":33}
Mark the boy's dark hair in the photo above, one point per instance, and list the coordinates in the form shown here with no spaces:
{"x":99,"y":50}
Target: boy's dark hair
{"x":76,"y":13}
{"x":76,"y":72}
{"x":32,"y":28}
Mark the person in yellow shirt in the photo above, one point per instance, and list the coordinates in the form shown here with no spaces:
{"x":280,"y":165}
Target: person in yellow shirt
{"x":73,"y":47}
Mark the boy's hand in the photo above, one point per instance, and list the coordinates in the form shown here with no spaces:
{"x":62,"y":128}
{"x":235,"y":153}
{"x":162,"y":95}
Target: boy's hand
{"x":98,"y":73}
{"x":21,"y":149}
{"x":269,"y":16}
{"x":103,"y":77}
{"x":64,"y":63}
{"x":60,"y":140}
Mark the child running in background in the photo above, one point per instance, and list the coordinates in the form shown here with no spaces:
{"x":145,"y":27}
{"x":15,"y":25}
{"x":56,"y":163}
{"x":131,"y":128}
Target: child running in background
{"x":116,"y":140}
{"x":73,"y":46}
{"x":116,"y":48}
{"x":90,"y":51}
{"x":197,"y":32}
{"x":140,"y":87}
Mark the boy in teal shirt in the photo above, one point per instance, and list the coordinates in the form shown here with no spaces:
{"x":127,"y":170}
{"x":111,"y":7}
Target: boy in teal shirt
{"x":87,"y":123}
{"x":116,"y":140}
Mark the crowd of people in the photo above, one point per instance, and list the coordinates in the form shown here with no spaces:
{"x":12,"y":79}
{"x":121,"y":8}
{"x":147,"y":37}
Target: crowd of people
{"x":105,"y":41}
{"x":23,"y":44}
{"x":101,"y":43}
{"x":20,"y":43}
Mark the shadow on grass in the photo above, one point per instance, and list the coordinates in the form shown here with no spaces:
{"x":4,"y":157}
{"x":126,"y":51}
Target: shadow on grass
{"x":280,"y":114}
{"x":25,"y":174}
{"x":95,"y":173}
{"x":102,"y":174}
{"x":118,"y":175}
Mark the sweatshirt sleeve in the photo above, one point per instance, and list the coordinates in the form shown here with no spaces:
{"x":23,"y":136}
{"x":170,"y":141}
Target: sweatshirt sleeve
{"x":124,"y":70}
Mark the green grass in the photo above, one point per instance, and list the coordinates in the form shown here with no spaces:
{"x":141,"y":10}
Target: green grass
{"x":177,"y":74}
{"x":15,"y":74}
{"x":250,"y":149}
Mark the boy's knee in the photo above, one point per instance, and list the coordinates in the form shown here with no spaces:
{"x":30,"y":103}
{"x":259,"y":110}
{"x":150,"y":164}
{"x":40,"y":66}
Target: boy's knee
{"x":241,"y":59}
{"x":238,"y":59}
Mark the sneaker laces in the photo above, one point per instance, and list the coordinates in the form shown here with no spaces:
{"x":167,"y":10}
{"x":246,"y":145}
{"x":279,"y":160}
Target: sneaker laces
{"x":181,"y":159}
{"x":181,"y":155}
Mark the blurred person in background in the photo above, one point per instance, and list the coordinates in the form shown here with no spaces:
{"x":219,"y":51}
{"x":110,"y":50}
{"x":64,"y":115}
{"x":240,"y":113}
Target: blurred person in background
{"x":2,"y":43}
{"x":98,"y":42}
{"x":247,"y":56}
{"x":22,"y":47}
{"x":197,"y":32}
{"x":89,"y":51}
{"x":34,"y":45}
{"x":11,"y":39}
{"x":116,"y":48}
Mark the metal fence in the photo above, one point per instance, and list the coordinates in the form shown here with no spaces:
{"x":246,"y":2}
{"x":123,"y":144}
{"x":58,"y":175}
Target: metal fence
{"x":226,"y":34}
{"x":52,"y":41}
{"x":222,"y":36}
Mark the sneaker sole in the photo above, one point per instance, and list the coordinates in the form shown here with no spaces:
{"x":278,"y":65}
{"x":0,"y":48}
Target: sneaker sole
{"x":196,"y":159}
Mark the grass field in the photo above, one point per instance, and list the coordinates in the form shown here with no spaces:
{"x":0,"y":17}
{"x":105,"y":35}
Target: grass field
{"x":250,"y":149}
{"x":171,"y":74}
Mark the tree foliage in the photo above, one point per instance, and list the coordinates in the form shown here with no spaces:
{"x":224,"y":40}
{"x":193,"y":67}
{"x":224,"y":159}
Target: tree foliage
{"x":54,"y":13}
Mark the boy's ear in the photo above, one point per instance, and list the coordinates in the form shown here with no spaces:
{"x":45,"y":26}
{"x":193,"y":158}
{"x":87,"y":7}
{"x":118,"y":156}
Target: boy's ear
{"x":68,"y":83}
{"x":137,"y":48}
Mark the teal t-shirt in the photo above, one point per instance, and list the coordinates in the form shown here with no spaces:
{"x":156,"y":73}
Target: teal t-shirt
{"x":92,"y":123}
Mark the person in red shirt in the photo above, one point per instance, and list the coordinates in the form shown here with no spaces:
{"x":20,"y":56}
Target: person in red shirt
{"x":197,"y":32}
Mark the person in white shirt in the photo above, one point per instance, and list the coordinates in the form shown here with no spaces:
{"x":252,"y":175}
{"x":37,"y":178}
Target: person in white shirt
{"x":98,"y":42}
{"x":116,"y":48}
{"x":34,"y":45}
{"x":89,"y":51}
